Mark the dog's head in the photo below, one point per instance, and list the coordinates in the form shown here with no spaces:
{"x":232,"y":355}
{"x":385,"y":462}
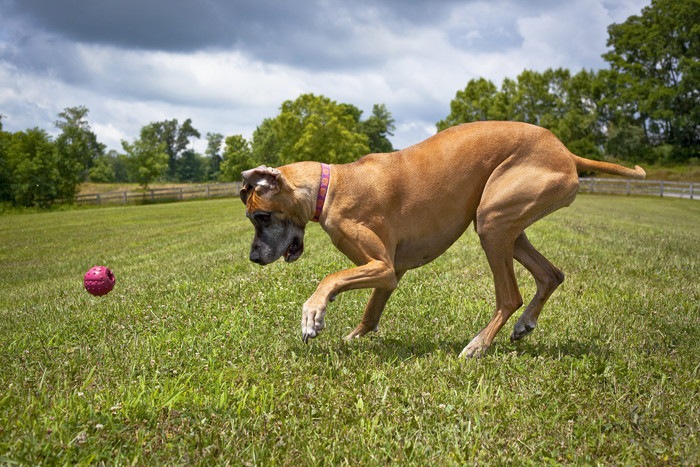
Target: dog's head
{"x":270,"y":206}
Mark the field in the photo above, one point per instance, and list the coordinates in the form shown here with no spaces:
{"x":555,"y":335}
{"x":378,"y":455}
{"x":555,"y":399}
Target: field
{"x":196,"y":356}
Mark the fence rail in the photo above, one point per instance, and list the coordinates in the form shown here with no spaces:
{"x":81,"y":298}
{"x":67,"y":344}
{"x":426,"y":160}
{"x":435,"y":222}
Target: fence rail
{"x":688,"y":190}
{"x":214,"y":190}
{"x":660,"y":188}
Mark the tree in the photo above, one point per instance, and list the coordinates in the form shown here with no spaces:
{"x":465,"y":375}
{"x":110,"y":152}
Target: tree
{"x":628,"y":142}
{"x":319,"y":129}
{"x":102,"y":170}
{"x":5,"y":172}
{"x":477,"y":101}
{"x":32,"y":160}
{"x":77,"y":148}
{"x":118,"y":170}
{"x":503,"y":105}
{"x":266,"y":145}
{"x":655,"y":73}
{"x":377,"y":127}
{"x":175,"y":138}
{"x":191,"y":167}
{"x":575,"y":118}
{"x":148,"y":159}
{"x":534,"y":103}
{"x":213,"y":152}
{"x":237,"y":157}
{"x":552,"y":99}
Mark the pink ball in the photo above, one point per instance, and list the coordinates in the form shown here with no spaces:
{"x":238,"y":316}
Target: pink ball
{"x":99,"y":280}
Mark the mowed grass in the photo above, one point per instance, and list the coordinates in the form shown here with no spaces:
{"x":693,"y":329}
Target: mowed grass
{"x":196,"y":355}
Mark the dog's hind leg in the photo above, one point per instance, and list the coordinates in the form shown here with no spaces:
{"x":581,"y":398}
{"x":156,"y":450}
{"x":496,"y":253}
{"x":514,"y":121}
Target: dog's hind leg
{"x":499,"y":252}
{"x":522,"y":190}
{"x":373,"y":311}
{"x":547,"y":277}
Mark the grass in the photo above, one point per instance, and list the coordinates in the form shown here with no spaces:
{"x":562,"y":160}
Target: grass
{"x":196,"y":356}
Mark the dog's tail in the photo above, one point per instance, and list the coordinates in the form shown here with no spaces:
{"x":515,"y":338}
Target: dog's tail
{"x":608,"y":168}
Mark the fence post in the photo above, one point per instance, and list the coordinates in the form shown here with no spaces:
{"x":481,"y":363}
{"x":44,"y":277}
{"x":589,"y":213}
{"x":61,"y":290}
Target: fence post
{"x":691,"y":190}
{"x":661,"y":189}
{"x":125,"y":196}
{"x":153,"y":195}
{"x":180,"y":193}
{"x":628,"y":187}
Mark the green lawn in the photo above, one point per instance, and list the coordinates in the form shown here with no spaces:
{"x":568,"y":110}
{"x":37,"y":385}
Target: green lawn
{"x":196,"y":356}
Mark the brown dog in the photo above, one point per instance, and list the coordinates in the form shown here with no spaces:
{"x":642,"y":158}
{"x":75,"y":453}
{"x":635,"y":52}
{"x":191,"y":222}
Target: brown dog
{"x":389,"y":213}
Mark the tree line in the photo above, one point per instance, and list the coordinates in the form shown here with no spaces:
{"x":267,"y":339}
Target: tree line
{"x":38,"y":170}
{"x":644,"y":108}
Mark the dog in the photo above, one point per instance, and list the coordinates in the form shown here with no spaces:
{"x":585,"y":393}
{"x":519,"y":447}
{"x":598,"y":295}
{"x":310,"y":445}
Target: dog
{"x":392,"y":212}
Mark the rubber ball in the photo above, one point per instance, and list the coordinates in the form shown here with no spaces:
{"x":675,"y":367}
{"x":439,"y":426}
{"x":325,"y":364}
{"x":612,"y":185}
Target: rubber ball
{"x":99,"y":280}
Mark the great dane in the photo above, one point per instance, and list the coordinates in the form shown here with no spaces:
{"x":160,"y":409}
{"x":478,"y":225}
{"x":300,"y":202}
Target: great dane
{"x":392,"y":212}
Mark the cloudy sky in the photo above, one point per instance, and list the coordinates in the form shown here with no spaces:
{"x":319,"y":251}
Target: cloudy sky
{"x":228,"y":64}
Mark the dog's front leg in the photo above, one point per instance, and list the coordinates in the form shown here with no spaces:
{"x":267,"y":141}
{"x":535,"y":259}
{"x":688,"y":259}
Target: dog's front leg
{"x":375,"y":274}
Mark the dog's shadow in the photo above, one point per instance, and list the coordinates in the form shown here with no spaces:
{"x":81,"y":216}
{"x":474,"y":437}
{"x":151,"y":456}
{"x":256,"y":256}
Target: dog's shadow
{"x":389,"y":348}
{"x":568,"y":348}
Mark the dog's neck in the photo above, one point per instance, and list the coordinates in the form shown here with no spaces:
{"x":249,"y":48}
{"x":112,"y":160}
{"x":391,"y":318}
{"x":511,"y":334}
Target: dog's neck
{"x":303,"y":182}
{"x":322,"y":191}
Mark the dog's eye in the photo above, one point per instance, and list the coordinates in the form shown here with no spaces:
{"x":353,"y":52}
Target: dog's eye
{"x":262,"y":218}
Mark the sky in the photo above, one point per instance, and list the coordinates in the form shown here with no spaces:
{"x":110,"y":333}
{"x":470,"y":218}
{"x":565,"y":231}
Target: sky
{"x":229,"y":64}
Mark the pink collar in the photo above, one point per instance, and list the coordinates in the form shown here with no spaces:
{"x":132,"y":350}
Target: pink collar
{"x":322,"y":191}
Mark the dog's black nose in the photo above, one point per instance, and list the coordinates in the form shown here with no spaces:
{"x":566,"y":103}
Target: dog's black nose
{"x":255,"y":257}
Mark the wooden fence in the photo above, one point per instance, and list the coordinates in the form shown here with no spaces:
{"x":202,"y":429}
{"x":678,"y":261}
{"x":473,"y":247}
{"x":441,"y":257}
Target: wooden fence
{"x":219,"y":190}
{"x":621,"y":186}
{"x":155,"y":195}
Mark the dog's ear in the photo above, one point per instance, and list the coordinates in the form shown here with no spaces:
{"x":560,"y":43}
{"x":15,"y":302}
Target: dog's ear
{"x":245,"y":191}
{"x":263,"y":178}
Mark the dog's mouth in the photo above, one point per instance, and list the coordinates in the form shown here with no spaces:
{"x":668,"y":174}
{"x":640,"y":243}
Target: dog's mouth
{"x":294,"y":250}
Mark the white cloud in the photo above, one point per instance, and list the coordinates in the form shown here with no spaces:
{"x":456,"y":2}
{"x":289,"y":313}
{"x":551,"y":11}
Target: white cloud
{"x":411,"y":59}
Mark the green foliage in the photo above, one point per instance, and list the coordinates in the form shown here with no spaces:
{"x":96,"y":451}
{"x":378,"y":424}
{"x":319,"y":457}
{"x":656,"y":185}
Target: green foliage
{"x":195,"y":357}
{"x":175,"y":139}
{"x":213,"y":152}
{"x":102,"y":170}
{"x":37,"y":171}
{"x":120,"y":166}
{"x":655,"y":63}
{"x":33,"y":163}
{"x":237,"y":157}
{"x":474,"y":103}
{"x":110,"y":168}
{"x":645,"y":108}
{"x":266,"y":145}
{"x":5,"y":169}
{"x":315,"y":128}
{"x":628,"y":142}
{"x":553,"y":99}
{"x":77,"y":148}
{"x":319,"y":129}
{"x":148,"y":157}
{"x":377,"y":127}
{"x":192,"y":167}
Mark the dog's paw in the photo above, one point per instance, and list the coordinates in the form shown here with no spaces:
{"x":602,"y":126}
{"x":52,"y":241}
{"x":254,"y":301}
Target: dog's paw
{"x":361,"y":330}
{"x":521,"y":330}
{"x":475,"y":349}
{"x":312,"y":321}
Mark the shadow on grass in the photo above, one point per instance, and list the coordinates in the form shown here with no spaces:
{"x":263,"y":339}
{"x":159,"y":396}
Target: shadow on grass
{"x":567,"y":348}
{"x":389,"y":348}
